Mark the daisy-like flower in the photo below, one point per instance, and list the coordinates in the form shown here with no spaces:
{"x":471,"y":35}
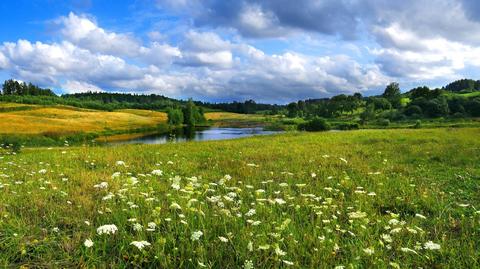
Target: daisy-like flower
{"x":140,"y":244}
{"x":369,"y":251}
{"x":248,"y":264}
{"x":102,"y":185}
{"x":223,"y":239}
{"x":120,"y":163}
{"x":196,"y":235}
{"x":137,"y":227}
{"x":431,"y":246}
{"x":157,"y":172}
{"x":88,"y":243}
{"x":107,"y":229}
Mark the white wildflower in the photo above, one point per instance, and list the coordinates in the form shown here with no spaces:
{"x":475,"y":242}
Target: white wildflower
{"x":196,"y":235}
{"x":140,"y":244}
{"x":107,"y":229}
{"x":88,"y":243}
{"x":431,"y":246}
{"x":157,"y":172}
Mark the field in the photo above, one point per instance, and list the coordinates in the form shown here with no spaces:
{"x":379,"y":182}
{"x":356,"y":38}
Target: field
{"x":63,"y":119}
{"x":358,"y":199}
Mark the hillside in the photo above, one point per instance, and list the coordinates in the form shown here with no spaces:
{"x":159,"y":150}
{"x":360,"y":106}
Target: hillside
{"x":34,"y":119}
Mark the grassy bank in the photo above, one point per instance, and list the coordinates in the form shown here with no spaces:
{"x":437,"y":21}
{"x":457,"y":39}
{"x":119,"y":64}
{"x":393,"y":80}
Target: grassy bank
{"x":300,"y":200}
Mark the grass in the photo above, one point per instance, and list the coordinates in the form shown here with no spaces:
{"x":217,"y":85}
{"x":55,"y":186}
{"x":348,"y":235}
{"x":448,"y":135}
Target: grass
{"x":65,"y":120}
{"x":359,"y":199}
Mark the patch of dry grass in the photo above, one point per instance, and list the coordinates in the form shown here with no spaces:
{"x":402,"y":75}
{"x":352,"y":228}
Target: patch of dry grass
{"x":67,"y":120}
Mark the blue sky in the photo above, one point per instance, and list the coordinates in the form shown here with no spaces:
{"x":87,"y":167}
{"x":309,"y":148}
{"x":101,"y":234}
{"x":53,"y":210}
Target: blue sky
{"x":273,"y":51}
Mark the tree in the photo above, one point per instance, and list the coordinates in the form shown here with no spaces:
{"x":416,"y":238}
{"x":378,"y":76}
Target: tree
{"x":192,"y":115}
{"x":175,"y":116}
{"x":392,"y":93}
{"x":368,"y":114}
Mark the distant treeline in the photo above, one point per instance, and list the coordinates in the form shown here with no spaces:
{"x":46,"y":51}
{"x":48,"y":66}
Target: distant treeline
{"x":13,"y":87}
{"x":460,"y":98}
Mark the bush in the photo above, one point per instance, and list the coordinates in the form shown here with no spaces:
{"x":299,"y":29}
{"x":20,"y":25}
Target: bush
{"x":413,"y":110}
{"x":383,"y":122}
{"x":315,"y":125}
{"x":418,"y":124}
{"x":348,"y":126}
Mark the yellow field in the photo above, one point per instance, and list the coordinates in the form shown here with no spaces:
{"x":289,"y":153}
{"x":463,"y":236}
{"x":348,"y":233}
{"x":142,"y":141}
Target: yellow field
{"x":11,"y":105}
{"x":61,"y":119}
{"x":231,"y":116}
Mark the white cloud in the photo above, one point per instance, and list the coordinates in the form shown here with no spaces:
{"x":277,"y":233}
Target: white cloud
{"x":79,"y":86}
{"x":85,"y":33}
{"x":406,"y":54}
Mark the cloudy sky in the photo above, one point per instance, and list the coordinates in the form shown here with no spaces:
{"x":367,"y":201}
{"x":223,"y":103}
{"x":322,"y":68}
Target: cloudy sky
{"x":223,"y":50}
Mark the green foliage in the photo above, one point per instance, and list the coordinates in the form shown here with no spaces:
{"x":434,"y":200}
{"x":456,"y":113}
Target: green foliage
{"x":413,"y":110}
{"x":348,"y":126}
{"x":192,"y":115}
{"x":368,"y":114}
{"x":175,"y":116}
{"x":467,"y":85}
{"x":315,"y":125}
{"x":383,"y":122}
{"x":393,"y":95}
{"x":13,"y":87}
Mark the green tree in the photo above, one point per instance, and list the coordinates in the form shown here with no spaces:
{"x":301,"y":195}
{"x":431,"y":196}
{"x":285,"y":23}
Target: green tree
{"x":392,"y":93}
{"x":175,"y":116}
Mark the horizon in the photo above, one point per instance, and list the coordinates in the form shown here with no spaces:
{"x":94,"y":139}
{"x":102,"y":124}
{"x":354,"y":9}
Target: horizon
{"x":223,"y":51}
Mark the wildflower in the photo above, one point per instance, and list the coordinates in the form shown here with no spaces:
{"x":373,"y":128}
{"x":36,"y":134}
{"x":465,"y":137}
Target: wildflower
{"x":137,"y":227}
{"x":280,"y":201}
{"x":250,"y":246}
{"x":157,"y":172}
{"x":42,"y":171}
{"x":431,"y":246}
{"x":196,"y":235}
{"x":406,"y":250}
{"x":102,"y":185}
{"x":248,"y":264}
{"x":314,"y":175}
{"x":357,"y":215}
{"x":116,"y":174}
{"x":175,"y":206}
{"x":387,"y":238}
{"x":420,"y":216}
{"x":151,"y":226}
{"x":223,"y":239}
{"x":55,"y":229}
{"x":343,"y":160}
{"x":279,"y":251}
{"x":289,"y":263}
{"x":264,"y":247}
{"x":88,"y":243}
{"x":107,"y":229}
{"x":140,"y":244}
{"x":120,"y":163}
{"x":369,"y":251}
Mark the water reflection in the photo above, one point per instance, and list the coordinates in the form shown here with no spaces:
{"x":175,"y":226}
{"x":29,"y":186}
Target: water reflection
{"x":197,"y":134}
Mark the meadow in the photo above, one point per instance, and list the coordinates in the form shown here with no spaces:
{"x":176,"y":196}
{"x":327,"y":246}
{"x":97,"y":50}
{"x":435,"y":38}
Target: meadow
{"x":402,"y":198}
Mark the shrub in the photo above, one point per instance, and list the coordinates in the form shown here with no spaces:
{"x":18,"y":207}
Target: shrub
{"x":383,"y":122}
{"x":348,"y":126}
{"x":413,"y":110}
{"x":315,"y":125}
{"x":418,"y":124}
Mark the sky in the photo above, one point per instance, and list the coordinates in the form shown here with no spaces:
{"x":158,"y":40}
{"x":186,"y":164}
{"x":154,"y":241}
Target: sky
{"x":272,"y":51}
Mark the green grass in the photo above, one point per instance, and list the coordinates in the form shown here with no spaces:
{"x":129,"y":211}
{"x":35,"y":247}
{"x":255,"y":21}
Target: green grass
{"x":359,"y":209}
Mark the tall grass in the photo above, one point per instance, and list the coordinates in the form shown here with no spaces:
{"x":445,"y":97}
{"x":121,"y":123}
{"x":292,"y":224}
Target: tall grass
{"x":361,"y":199}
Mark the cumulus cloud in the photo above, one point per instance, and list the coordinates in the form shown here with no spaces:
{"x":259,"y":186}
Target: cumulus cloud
{"x":411,"y":40}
